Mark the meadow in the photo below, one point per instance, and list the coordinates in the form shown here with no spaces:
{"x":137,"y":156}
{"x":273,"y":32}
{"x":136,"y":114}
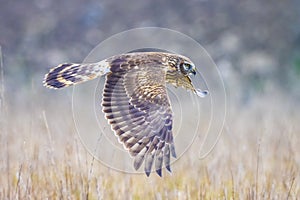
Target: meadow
{"x":42,"y":157}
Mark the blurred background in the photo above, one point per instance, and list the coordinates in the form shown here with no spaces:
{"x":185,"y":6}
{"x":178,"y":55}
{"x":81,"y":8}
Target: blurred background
{"x":255,"y":44}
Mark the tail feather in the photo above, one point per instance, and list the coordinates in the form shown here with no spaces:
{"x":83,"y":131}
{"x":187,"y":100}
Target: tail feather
{"x":65,"y":75}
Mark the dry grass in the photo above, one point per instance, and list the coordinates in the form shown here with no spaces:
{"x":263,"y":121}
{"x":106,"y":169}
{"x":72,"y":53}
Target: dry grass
{"x":256,"y":158}
{"x":42,"y":157}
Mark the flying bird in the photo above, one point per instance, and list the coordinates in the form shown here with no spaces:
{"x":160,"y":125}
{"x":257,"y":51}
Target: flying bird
{"x":135,"y":99}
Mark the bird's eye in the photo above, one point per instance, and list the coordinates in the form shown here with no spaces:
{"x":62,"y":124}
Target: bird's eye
{"x":187,"y":69}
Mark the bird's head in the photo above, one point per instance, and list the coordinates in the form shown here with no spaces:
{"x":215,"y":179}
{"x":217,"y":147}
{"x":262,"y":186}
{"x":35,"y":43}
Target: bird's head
{"x":182,"y":64}
{"x":186,"y":74}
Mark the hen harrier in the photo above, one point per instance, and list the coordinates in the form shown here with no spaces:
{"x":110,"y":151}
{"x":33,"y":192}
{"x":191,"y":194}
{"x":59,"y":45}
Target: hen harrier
{"x":135,"y":99}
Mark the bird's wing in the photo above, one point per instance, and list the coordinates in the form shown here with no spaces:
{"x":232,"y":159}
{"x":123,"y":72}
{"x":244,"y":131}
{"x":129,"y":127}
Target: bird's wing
{"x":137,"y":106}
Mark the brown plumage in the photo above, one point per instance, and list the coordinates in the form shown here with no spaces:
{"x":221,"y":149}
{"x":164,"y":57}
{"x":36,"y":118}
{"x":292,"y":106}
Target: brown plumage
{"x":135,"y":99}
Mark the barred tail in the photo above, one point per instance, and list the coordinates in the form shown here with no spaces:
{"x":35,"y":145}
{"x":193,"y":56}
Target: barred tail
{"x":65,"y":75}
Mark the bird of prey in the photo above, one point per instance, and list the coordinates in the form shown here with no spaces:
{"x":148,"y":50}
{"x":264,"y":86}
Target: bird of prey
{"x":135,"y":99}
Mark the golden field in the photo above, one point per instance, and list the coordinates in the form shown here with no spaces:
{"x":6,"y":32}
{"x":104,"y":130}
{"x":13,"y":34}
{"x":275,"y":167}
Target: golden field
{"x":257,"y":156}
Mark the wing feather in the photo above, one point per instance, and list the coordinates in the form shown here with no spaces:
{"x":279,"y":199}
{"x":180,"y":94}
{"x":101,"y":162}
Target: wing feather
{"x":137,"y":106}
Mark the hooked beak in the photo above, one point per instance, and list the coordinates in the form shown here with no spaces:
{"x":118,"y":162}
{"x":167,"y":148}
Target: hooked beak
{"x":193,"y":72}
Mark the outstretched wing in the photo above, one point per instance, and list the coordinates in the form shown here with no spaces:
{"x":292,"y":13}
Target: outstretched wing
{"x":137,"y":106}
